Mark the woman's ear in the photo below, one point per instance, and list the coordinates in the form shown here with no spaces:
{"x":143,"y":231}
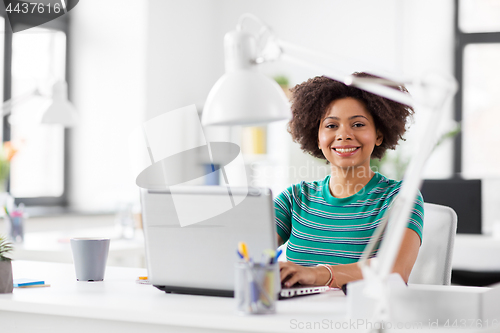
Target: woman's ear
{"x":380,"y":138}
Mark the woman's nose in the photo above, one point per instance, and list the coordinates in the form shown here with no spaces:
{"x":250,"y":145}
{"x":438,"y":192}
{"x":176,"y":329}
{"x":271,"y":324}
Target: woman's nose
{"x":344,"y":133}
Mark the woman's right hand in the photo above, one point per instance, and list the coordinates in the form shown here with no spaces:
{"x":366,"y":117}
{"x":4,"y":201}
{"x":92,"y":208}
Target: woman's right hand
{"x":292,"y":273}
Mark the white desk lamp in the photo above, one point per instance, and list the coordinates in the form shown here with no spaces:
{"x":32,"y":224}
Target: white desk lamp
{"x":61,"y":111}
{"x":243,"y":96}
{"x":237,"y":100}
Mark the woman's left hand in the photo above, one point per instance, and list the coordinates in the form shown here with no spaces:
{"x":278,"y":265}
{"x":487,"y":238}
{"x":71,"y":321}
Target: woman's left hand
{"x":292,"y":273}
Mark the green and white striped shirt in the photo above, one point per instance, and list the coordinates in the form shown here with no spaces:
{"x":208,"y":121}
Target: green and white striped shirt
{"x":322,"y":229}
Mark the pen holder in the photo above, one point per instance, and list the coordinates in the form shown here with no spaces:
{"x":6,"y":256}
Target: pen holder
{"x":15,"y":228}
{"x":255,"y":291}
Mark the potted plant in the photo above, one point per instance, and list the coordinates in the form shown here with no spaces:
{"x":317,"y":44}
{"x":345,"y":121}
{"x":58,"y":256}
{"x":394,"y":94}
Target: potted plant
{"x":284,"y":83}
{"x":6,"y":282}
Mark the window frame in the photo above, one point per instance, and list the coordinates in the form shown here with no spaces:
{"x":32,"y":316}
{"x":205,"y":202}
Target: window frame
{"x":462,"y":39}
{"x":62,"y":24}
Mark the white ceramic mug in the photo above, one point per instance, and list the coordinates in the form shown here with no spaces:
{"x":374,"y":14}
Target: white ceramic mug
{"x":90,"y":256}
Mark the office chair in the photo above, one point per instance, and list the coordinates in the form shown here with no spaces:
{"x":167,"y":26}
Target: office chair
{"x":433,"y":265}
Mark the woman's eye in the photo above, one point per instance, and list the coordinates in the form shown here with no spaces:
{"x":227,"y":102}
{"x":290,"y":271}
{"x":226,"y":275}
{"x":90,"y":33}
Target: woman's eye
{"x":331,"y":126}
{"x":358,"y":125}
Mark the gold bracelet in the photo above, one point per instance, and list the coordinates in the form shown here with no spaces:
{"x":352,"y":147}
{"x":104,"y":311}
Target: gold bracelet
{"x":331,"y":274}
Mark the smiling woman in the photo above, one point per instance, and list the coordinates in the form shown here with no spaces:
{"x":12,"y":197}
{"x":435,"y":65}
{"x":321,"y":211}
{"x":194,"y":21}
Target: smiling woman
{"x":328,"y":223}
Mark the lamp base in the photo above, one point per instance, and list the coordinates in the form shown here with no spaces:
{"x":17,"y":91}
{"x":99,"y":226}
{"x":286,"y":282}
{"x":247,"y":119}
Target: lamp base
{"x":430,"y":305}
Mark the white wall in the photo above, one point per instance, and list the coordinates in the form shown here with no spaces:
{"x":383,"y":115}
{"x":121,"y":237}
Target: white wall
{"x":108,"y":87}
{"x":184,"y":53}
{"x":152,"y":57}
{"x":184,"y":58}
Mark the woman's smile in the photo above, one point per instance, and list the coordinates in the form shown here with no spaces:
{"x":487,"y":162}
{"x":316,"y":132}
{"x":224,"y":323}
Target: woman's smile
{"x":345,"y":151}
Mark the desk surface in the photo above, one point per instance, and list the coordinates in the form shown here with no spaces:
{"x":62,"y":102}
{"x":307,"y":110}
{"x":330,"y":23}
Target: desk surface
{"x":476,"y":253}
{"x":119,"y":304}
{"x":119,"y":299}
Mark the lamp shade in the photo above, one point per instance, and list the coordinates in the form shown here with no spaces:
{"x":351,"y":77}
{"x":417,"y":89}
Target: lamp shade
{"x":245,"y":97}
{"x":60,"y":111}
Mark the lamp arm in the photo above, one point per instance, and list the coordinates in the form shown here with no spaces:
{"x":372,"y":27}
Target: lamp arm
{"x":403,"y":204}
{"x":432,"y":95}
{"x":8,"y":105}
{"x":342,"y":76}
{"x":283,"y":49}
{"x":395,"y":221}
{"x":376,"y":86}
{"x":248,"y":16}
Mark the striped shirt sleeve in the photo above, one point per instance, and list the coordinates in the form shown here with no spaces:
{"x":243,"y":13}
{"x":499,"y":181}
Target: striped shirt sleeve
{"x":283,"y":212}
{"x":416,"y":222}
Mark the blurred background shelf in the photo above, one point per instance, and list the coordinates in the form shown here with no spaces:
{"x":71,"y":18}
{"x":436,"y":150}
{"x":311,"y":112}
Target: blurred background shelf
{"x":54,"y":246}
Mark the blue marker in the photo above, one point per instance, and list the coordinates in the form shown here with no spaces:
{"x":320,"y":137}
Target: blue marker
{"x":240,"y":255}
{"x":280,"y":251}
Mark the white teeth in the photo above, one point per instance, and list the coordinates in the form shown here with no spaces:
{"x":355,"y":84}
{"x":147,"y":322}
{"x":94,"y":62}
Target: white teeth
{"x":345,"y":150}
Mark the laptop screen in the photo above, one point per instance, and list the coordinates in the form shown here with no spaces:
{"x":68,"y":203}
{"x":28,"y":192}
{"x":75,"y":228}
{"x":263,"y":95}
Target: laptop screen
{"x":199,"y":254}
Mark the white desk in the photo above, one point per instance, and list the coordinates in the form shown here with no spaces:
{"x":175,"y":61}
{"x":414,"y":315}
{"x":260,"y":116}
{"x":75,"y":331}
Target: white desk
{"x":476,"y":253}
{"x":119,"y":304}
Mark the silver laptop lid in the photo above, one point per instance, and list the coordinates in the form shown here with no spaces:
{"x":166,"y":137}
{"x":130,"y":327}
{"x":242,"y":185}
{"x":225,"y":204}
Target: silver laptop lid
{"x":185,"y":251}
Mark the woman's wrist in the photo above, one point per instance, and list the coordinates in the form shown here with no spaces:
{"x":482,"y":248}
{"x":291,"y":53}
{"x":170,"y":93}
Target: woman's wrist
{"x":336,"y":271}
{"x":324,"y":275}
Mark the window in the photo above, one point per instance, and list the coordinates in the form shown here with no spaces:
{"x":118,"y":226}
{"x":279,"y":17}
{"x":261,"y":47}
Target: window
{"x":38,"y":169}
{"x":481,"y":110}
{"x":479,"y":15}
{"x":35,"y":59}
{"x":477,"y":103}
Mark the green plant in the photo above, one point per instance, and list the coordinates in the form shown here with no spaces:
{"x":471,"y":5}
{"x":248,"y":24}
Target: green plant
{"x":449,"y":135}
{"x":5,"y":248}
{"x":7,"y":152}
{"x":4,"y":168}
{"x":282,"y":80}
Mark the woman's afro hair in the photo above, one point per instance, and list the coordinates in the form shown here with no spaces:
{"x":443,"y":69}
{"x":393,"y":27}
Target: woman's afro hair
{"x":312,"y":98}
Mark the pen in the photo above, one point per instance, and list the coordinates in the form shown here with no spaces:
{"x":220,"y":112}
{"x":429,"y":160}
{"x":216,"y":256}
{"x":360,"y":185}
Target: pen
{"x":280,"y":251}
{"x":242,"y":248}
{"x":269,"y":257}
{"x":253,"y":289}
{"x":240,"y":255}
{"x":6,"y":211}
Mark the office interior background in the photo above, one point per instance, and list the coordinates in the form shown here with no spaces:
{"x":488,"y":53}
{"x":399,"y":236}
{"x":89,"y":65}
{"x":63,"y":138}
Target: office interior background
{"x":128,"y":61}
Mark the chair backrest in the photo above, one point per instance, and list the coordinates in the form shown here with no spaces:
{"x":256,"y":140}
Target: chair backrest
{"x":433,"y":265}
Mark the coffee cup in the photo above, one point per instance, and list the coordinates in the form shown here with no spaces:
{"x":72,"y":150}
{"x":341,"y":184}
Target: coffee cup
{"x":90,"y":256}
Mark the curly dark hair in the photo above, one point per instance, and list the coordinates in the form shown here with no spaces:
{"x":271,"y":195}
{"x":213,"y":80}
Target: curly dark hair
{"x":311,"y":100}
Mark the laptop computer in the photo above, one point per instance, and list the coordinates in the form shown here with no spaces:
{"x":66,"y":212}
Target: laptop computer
{"x":192,"y":232}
